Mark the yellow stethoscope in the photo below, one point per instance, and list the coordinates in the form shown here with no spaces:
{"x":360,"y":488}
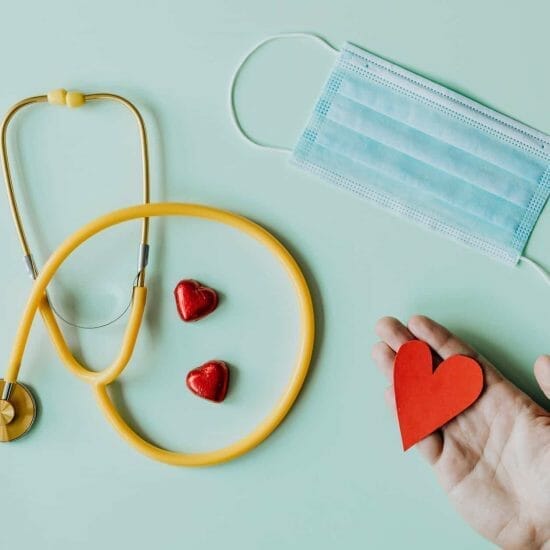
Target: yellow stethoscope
{"x":17,"y":406}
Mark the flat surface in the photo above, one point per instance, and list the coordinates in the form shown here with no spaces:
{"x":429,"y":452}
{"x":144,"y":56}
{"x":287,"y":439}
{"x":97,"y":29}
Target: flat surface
{"x":333,"y":476}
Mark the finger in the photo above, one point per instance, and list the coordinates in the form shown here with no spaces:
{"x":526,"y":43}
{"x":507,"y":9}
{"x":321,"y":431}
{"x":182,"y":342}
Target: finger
{"x":445,"y":344}
{"x":542,"y":373}
{"x":384,"y":357}
{"x":393,"y":332}
{"x":389,"y":396}
{"x":441,"y":340}
{"x":430,"y":447}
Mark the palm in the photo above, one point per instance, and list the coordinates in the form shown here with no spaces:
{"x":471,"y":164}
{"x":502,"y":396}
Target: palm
{"x":494,"y":459}
{"x":495,"y":465}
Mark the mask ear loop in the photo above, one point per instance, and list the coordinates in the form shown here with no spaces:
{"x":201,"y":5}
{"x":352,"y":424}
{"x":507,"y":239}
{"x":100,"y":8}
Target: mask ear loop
{"x":545,"y":275}
{"x":232,"y":103}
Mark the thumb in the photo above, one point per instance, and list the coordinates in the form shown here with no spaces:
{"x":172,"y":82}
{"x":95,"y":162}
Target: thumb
{"x":542,"y":373}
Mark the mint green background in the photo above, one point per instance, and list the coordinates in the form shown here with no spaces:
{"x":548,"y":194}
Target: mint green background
{"x":333,"y":475}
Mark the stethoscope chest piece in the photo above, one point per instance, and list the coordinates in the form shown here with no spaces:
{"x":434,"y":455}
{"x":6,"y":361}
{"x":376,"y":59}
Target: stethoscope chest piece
{"x":17,"y":412}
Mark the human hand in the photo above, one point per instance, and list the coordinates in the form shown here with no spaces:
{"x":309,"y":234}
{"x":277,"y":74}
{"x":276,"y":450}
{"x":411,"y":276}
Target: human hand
{"x":493,"y":460}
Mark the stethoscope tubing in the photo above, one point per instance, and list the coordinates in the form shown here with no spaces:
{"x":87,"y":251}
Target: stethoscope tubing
{"x":101,"y":380}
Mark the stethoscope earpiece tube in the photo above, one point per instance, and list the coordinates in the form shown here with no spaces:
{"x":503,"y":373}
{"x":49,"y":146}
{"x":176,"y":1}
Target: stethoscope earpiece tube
{"x":74,"y":99}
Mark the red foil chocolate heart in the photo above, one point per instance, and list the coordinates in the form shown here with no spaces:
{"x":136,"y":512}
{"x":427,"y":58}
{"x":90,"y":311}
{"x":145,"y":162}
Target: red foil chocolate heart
{"x":209,"y":381}
{"x":193,"y":300}
{"x":425,"y":398}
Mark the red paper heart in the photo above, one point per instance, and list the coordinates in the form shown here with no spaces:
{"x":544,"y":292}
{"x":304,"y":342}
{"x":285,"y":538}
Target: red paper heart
{"x":193,"y":300}
{"x":209,"y":381}
{"x":428,"y":399}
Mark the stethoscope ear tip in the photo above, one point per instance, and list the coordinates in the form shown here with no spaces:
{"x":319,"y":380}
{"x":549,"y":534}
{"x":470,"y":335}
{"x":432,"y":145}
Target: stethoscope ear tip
{"x":17,"y":412}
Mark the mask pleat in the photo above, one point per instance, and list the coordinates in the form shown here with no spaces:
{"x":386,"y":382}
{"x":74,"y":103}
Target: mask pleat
{"x":404,"y":199}
{"x":441,"y":126}
{"x":360,"y":62}
{"x":423,"y":147}
{"x":419,"y":175}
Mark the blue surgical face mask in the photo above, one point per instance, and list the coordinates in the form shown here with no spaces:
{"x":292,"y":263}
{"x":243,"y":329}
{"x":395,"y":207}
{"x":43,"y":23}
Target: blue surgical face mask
{"x":426,"y":153}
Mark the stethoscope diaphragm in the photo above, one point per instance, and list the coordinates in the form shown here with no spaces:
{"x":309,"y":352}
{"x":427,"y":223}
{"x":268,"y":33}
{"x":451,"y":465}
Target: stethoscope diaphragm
{"x":17,"y":412}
